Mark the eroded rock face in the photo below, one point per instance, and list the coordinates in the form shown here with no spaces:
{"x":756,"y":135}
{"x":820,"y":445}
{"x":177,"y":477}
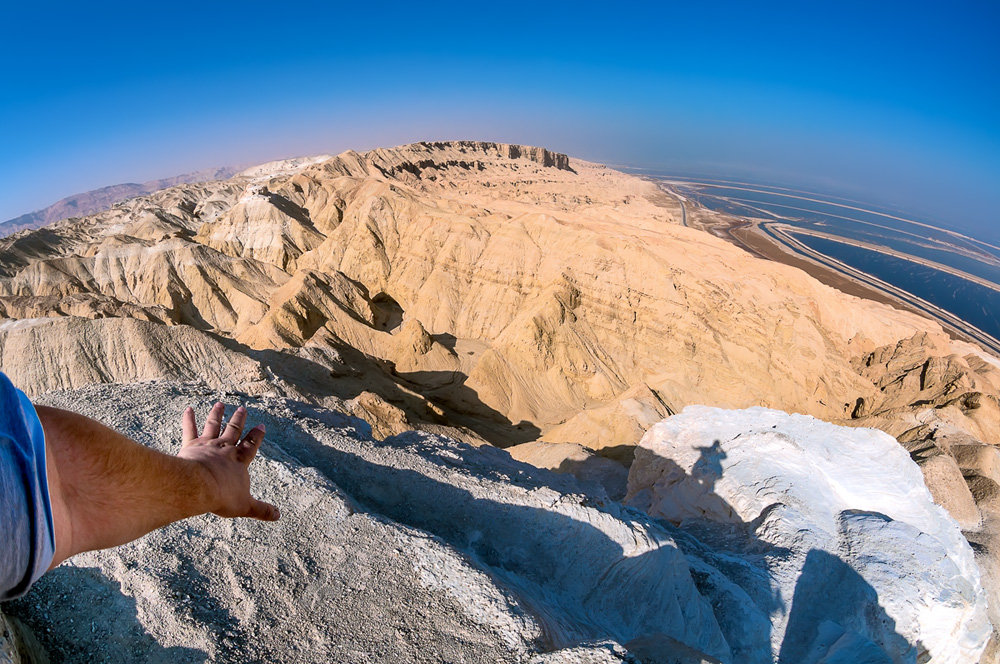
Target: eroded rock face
{"x":536,"y":296}
{"x":44,"y":354}
{"x":863,"y":560}
{"x":950,"y":489}
{"x":493,"y":293}
{"x":956,"y":385}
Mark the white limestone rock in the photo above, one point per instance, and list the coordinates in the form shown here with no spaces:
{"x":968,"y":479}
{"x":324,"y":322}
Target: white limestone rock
{"x":863,"y":564}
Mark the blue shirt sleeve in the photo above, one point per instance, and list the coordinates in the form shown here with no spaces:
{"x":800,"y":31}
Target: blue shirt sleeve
{"x":27,"y":537}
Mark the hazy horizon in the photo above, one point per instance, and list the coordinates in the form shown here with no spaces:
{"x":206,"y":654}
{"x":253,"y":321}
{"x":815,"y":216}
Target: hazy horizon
{"x":885,"y":104}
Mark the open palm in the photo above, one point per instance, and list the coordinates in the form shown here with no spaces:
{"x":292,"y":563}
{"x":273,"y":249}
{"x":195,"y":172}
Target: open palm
{"x":225,"y":457}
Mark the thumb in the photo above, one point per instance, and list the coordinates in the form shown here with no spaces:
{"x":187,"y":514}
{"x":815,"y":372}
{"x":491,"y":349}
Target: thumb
{"x":263,"y":511}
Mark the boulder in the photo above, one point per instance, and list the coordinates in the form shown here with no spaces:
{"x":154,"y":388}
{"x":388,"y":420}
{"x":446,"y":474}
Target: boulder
{"x":981,"y":460}
{"x":944,"y":480}
{"x":857,"y":561}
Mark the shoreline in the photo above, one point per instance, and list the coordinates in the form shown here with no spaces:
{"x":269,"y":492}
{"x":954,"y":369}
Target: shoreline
{"x":766,"y":239}
{"x":788,"y":232}
{"x":786,"y":250}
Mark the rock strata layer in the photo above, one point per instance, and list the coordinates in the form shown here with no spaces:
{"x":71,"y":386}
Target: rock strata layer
{"x":492,"y":293}
{"x":536,"y":290}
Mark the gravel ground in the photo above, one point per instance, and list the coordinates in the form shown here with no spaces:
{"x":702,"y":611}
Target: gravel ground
{"x":352,"y":572}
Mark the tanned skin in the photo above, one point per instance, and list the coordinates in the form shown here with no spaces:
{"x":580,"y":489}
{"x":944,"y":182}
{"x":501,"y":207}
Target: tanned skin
{"x":107,"y":490}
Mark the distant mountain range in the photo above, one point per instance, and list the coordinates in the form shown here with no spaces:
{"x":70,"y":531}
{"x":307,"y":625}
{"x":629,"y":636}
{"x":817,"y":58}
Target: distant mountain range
{"x":98,"y":200}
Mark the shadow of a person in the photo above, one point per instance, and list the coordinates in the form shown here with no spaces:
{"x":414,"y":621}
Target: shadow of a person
{"x":585,"y":574}
{"x":836,"y":617}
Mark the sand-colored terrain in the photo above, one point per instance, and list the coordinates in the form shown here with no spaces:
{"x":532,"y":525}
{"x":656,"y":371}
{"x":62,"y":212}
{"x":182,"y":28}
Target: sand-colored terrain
{"x":526,"y":290}
{"x":778,"y":241}
{"x":496,"y":293}
{"x":508,"y":294}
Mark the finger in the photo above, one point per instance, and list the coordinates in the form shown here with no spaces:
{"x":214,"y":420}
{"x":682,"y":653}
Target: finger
{"x":234,"y":428}
{"x":214,"y":421}
{"x":189,"y":428}
{"x":250,"y":445}
{"x":263,"y":511}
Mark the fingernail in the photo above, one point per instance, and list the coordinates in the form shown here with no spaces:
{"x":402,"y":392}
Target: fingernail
{"x":262,"y":428}
{"x":241,"y":409}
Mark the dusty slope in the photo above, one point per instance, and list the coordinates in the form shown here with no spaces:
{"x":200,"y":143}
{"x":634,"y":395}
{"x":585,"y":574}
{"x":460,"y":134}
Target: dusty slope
{"x":362,"y":570}
{"x":497,"y":292}
{"x":423,"y":549}
{"x":327,"y":583}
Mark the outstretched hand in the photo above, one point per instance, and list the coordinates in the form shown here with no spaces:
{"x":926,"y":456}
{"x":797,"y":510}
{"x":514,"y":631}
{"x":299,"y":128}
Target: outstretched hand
{"x":225,"y":457}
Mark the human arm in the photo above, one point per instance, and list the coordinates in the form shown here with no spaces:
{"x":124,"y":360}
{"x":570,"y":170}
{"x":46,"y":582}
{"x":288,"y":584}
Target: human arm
{"x":106,"y":489}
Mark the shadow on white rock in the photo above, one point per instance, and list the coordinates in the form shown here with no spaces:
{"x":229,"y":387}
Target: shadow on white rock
{"x":420,"y":547}
{"x":863,"y":565}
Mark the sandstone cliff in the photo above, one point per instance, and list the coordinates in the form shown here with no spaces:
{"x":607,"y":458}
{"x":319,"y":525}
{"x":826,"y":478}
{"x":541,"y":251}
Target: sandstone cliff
{"x":508,"y":290}
{"x":561,"y":295}
{"x":496,"y":293}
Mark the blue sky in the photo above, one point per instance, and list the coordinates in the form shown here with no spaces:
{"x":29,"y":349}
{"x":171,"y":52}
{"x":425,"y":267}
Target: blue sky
{"x":893,"y":103}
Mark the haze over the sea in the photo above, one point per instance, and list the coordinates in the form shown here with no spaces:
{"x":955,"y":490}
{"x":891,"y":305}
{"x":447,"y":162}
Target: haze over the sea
{"x":893,"y":103}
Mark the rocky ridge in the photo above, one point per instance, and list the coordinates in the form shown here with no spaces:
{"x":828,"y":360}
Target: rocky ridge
{"x":492,"y":293}
{"x":421,"y":548}
{"x":89,"y":202}
{"x":509,"y":292}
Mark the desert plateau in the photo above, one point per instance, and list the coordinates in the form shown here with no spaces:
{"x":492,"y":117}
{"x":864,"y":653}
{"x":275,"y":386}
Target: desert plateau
{"x":519,"y":408}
